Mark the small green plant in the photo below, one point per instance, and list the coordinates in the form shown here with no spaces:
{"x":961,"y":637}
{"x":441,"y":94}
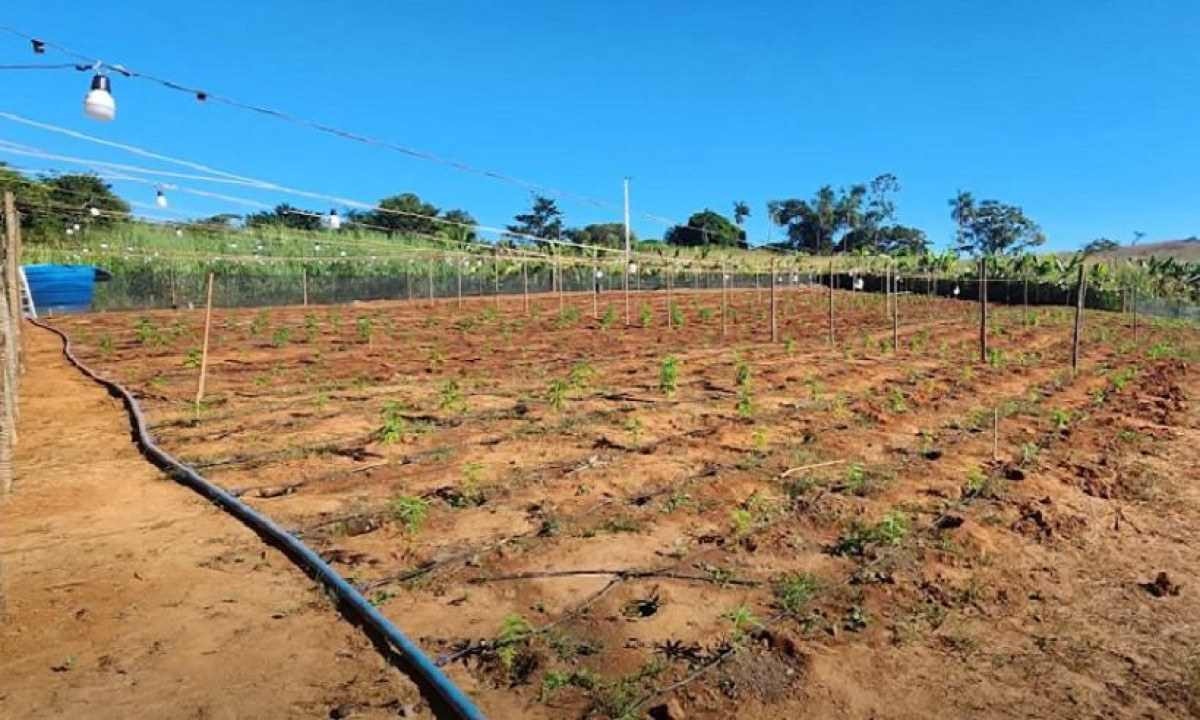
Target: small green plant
{"x":609,"y":318}
{"x":147,"y":333}
{"x":436,"y":359}
{"x":192,"y":359}
{"x":743,"y":620}
{"x":568,"y":317}
{"x":1029,"y":453}
{"x":668,"y":375}
{"x":645,"y":315}
{"x":580,"y":376}
{"x":450,"y":397}
{"x":857,"y":480}
{"x":395,"y":425}
{"x":979,"y":485}
{"x":793,"y":592}
{"x":789,"y":346}
{"x":410,"y":511}
{"x":889,"y":531}
{"x":745,"y":392}
{"x":556,"y":394}
{"x":469,"y":488}
{"x":365,"y":327}
{"x":634,"y":427}
{"x":282,"y":336}
{"x":259,"y":324}
{"x":707,"y":314}
{"x":676,"y":313}
{"x":897,"y":402}
{"x":515,"y":631}
{"x":742,"y":520}
{"x":311,"y":329}
{"x":1061,"y":418}
{"x":106,"y":345}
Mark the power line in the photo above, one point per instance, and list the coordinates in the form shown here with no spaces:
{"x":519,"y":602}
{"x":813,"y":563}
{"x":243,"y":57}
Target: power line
{"x":205,"y":95}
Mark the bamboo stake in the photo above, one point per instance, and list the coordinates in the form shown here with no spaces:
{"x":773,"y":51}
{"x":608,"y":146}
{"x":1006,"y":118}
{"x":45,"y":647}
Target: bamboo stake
{"x":996,"y":433}
{"x":1080,"y":290}
{"x":525,"y":284}
{"x":558,"y":271}
{"x":204,"y":347}
{"x":774,"y":327}
{"x":628,"y":310}
{"x":496,"y":278}
{"x":431,"y":304}
{"x":831,"y":281}
{"x":1133,"y":307}
{"x":670,"y":273}
{"x":983,"y":315}
{"x":724,"y":299}
{"x":595,"y":287}
{"x":458,"y":274}
{"x":895,"y":315}
{"x":303,"y":283}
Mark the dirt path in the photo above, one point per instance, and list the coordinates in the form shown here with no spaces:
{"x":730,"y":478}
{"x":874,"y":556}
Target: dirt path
{"x":124,"y":595}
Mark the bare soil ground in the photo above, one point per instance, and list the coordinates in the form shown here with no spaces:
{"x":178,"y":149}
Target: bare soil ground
{"x":783,"y":530}
{"x":125,"y":595}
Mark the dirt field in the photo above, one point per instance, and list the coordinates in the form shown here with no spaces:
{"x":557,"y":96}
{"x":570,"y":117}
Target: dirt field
{"x":583,"y":519}
{"x":124,"y":595}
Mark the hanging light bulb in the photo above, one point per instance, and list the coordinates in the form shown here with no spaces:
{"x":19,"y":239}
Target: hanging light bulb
{"x":956,"y":291}
{"x":633,"y":268}
{"x":75,"y":227}
{"x":70,"y":231}
{"x":178,"y":232}
{"x":94,"y":212}
{"x":99,"y":104}
{"x":160,"y":199}
{"x":332,"y":220}
{"x":858,"y":283}
{"x":599,"y":274}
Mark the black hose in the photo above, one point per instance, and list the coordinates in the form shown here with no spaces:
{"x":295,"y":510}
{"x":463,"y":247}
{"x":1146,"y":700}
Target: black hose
{"x":445,"y":698}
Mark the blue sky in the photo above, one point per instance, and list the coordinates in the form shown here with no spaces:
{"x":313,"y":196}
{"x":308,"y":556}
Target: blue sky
{"x":1083,"y":113}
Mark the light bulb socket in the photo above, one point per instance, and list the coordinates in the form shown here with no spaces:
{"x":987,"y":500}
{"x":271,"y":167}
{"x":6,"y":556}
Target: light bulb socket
{"x":101,"y":82}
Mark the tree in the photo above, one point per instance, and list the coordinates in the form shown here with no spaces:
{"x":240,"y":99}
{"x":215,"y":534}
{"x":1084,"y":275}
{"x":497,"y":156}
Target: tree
{"x":285,"y":216}
{"x":706,"y":228}
{"x":816,"y":225}
{"x":741,"y":211}
{"x":991,"y":227}
{"x":601,"y":234}
{"x":403,"y":213}
{"x":459,"y":228}
{"x":1100,"y":245}
{"x":82,"y":193}
{"x":544,"y":220}
{"x":901,"y":240}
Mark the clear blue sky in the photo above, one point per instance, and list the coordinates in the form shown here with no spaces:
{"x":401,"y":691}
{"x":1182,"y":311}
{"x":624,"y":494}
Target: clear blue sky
{"x":1084,"y":113}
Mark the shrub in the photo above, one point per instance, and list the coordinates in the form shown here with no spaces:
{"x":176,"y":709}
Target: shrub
{"x":668,"y":375}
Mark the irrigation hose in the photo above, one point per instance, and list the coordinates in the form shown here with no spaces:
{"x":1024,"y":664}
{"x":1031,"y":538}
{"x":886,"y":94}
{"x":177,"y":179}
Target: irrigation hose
{"x":446,"y":699}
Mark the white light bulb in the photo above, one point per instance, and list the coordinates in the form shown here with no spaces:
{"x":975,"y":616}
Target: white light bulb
{"x":332,"y":220}
{"x":70,"y":231}
{"x":633,"y":268}
{"x":599,"y":274}
{"x":160,"y":199}
{"x":99,"y":104}
{"x":342,"y":253}
{"x":75,"y":227}
{"x":317,"y":248}
{"x":94,"y":212}
{"x":178,"y":233}
{"x":956,"y":291}
{"x":103,"y":246}
{"x":858,"y":283}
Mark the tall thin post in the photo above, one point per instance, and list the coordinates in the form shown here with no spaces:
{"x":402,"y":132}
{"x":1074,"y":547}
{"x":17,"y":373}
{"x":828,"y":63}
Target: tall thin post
{"x":774,"y":326}
{"x":724,"y":299}
{"x":525,"y":284}
{"x":983,"y":314}
{"x":595,"y":287}
{"x":204,"y":346}
{"x":1133,"y":308}
{"x":408,"y":280}
{"x":895,"y":314}
{"x":496,"y":277}
{"x":1080,"y":290}
{"x":1025,"y":302}
{"x":831,"y":337}
{"x":670,"y":273}
{"x":558,"y":270}
{"x":431,"y":282}
{"x":303,"y":282}
{"x":628,"y":257}
{"x":458,"y":266}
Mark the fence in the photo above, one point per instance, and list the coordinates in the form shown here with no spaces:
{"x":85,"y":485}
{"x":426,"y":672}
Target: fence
{"x":10,"y":343}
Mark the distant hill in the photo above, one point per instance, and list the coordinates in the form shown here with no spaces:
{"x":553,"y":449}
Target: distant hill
{"x":1187,"y":249}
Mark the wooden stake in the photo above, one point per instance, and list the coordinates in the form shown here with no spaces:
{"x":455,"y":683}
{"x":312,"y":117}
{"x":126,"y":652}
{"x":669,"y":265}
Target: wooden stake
{"x":496,"y":277}
{"x":525,"y":284}
{"x":1080,"y":291}
{"x":558,"y":271}
{"x":895,"y":314}
{"x":983,"y":314}
{"x":628,"y":309}
{"x":595,"y":288}
{"x":670,"y":273}
{"x":1025,"y":302}
{"x":304,"y":284}
{"x":774,"y":327}
{"x":831,"y":338}
{"x":431,"y":282}
{"x":459,"y":277}
{"x":724,"y":299}
{"x":204,"y":347}
{"x":1133,"y":308}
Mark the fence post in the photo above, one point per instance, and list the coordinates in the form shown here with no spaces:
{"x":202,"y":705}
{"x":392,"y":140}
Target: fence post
{"x":774,"y":327}
{"x":1080,"y":290}
{"x":724,"y":299}
{"x":12,"y":226}
{"x":1133,"y":307}
{"x":595,"y":287}
{"x":8,"y":372}
{"x":983,"y":314}
{"x":525,"y":283}
{"x":496,"y":276}
{"x":558,"y":271}
{"x":895,"y":315}
{"x":303,"y":281}
{"x":670,"y":279}
{"x":628,"y":311}
{"x":458,"y":266}
{"x":430,"y":274}
{"x":831,"y":339}
{"x":204,"y":346}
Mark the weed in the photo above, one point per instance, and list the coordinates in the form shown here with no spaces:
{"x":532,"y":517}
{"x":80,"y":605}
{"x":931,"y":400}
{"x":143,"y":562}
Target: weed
{"x":889,"y":531}
{"x":395,"y":425}
{"x":980,"y":485}
{"x":556,"y":680}
{"x":742,"y":521}
{"x":645,"y":315}
{"x":365,"y":327}
{"x":310,"y":327}
{"x":1061,"y":418}
{"x":580,"y":376}
{"x":410,"y":511}
{"x":282,"y":336}
{"x":609,"y":318}
{"x":567,"y":318}
{"x":745,"y":393}
{"x":514,"y":631}
{"x":897,"y":401}
{"x":147,"y":332}
{"x":106,"y":345}
{"x":259,"y":324}
{"x":676,"y":315}
{"x":743,"y":620}
{"x":789,"y":346}
{"x":1029,"y":453}
{"x":706,"y":314}
{"x":634,"y":427}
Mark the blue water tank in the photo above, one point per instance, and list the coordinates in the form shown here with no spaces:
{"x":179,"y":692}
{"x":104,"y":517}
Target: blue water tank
{"x":63,"y":288}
